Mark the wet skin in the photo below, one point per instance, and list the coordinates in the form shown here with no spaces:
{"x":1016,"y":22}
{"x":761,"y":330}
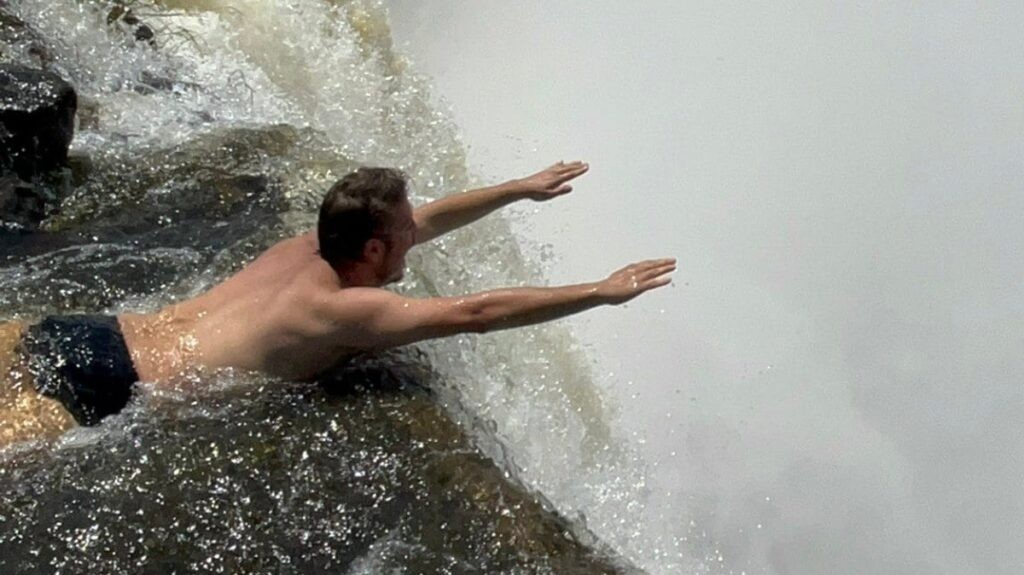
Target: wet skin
{"x":292,"y":315}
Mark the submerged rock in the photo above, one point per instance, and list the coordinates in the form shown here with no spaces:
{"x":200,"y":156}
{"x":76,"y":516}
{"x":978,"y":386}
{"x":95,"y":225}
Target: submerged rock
{"x":364,"y":473}
{"x":146,"y":221}
{"x":21,"y":205}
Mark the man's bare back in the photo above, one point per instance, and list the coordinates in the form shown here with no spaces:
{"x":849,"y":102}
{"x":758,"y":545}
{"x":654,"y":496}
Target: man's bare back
{"x":301,"y":306}
{"x":270,"y":317}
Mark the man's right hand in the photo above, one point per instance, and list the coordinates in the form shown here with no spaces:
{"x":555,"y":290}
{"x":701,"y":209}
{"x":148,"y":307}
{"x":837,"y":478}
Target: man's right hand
{"x":375,"y":319}
{"x":635,"y":279}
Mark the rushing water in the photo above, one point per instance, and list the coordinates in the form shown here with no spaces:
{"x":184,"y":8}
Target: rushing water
{"x":194,"y":153}
{"x":841,"y":360}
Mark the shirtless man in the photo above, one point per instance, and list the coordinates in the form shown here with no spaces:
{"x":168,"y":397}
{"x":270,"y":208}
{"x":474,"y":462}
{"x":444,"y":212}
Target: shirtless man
{"x":295,"y":311}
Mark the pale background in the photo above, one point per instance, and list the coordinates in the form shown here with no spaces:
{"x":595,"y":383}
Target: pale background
{"x":834,"y":383}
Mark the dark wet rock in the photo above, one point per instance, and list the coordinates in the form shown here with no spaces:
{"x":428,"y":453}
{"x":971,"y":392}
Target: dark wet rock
{"x":141,"y":222}
{"x":92,"y":269}
{"x":124,"y":18}
{"x":20,"y":205}
{"x":23,"y":205}
{"x":285,"y":479}
{"x":211,"y":177}
{"x":143,"y":33}
{"x":37,"y":115}
{"x":84,"y":271}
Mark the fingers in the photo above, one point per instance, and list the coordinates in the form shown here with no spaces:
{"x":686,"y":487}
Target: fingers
{"x":573,"y":170}
{"x":575,"y":173}
{"x":655,"y":284}
{"x":563,"y":178}
{"x":552,"y":179}
{"x":655,"y":275}
{"x":648,"y":265}
{"x":640,"y":267}
{"x":656,"y":272}
{"x":567,"y":171}
{"x":564,"y":166}
{"x":642,"y":274}
{"x":651,"y":273}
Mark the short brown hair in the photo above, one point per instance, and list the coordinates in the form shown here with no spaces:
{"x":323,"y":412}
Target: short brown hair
{"x":357,"y":208}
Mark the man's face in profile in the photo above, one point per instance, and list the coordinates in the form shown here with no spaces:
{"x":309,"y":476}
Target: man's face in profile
{"x":401,"y":237}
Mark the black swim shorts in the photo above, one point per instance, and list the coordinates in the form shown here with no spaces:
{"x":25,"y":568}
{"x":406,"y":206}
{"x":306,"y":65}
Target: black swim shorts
{"x":83,"y":362}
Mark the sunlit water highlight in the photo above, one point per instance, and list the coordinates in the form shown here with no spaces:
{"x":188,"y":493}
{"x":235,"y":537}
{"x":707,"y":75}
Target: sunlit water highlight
{"x":222,"y":139}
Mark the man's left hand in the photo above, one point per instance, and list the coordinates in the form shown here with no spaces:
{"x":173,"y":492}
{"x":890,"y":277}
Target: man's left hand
{"x":552,"y":182}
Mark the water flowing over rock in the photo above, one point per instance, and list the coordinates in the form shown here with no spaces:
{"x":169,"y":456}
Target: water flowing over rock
{"x":175,"y":212}
{"x":361,"y":474}
{"x":192,"y":157}
{"x":365,"y":471}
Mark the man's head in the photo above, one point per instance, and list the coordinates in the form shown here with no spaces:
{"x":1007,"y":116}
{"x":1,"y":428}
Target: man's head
{"x":366,"y":225}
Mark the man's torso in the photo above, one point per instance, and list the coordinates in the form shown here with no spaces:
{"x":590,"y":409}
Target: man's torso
{"x":271,"y":317}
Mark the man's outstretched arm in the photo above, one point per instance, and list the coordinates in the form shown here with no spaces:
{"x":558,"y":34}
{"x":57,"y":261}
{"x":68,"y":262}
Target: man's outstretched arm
{"x":381,"y":319}
{"x":442,"y":216}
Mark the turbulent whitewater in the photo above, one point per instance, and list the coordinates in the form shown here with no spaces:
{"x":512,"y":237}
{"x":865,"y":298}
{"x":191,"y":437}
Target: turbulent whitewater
{"x":195,"y":150}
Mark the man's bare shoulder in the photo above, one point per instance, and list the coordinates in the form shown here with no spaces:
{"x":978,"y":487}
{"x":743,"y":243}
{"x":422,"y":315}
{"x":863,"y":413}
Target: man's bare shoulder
{"x":363,"y":316}
{"x":361,"y":302}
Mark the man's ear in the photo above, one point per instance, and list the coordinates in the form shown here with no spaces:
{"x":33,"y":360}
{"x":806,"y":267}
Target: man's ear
{"x":374,"y":251}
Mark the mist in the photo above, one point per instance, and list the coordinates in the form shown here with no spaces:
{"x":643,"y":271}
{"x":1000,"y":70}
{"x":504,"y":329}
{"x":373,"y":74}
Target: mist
{"x":833,"y":383}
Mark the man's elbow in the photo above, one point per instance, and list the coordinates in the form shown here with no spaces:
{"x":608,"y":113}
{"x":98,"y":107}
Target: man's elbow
{"x":478,"y":323}
{"x":474,"y":317}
